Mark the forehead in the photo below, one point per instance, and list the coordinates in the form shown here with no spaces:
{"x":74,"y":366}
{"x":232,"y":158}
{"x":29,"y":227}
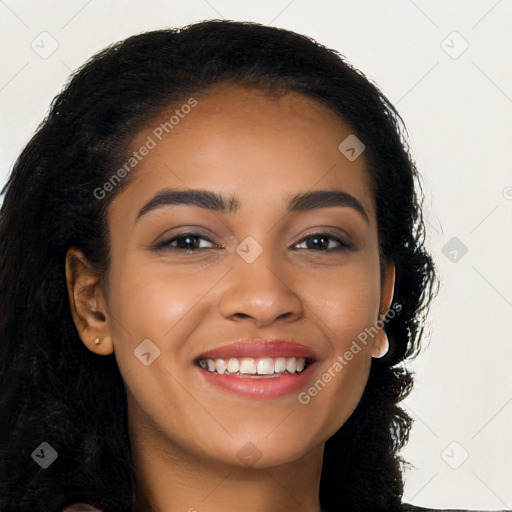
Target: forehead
{"x":245,"y":142}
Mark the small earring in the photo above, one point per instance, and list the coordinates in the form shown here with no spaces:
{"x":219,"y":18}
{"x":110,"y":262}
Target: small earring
{"x":97,"y":341}
{"x":385,"y":348}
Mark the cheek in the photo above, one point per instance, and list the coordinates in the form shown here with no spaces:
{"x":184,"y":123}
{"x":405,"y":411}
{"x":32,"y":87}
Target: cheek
{"x":348,"y":302}
{"x":155,"y":311}
{"x":166,"y":304}
{"x":150,"y":301}
{"x":346,"y":306}
{"x":146,"y":300}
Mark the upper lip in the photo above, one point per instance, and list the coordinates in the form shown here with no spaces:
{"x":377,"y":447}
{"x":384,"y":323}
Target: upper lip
{"x":260,"y":348}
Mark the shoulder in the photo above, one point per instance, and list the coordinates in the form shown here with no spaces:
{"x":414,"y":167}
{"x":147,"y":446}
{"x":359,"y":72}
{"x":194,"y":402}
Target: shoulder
{"x":414,"y":508}
{"x":81,"y":506}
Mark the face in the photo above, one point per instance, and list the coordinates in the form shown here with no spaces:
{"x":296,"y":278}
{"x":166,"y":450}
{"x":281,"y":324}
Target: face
{"x":187,"y":279}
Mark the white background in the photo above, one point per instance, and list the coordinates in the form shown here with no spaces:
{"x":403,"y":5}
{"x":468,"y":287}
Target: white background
{"x":457,"y":108}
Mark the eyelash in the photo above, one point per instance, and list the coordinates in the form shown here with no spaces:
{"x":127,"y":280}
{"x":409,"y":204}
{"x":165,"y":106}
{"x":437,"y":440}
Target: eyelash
{"x":166,"y":244}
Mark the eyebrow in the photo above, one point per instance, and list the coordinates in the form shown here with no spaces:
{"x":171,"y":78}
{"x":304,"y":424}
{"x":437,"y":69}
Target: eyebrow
{"x":216,"y":202}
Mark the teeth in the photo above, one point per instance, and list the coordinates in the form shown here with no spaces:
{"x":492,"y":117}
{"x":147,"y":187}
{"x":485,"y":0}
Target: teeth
{"x":266,"y":366}
{"x":291,"y":365}
{"x":247,"y":365}
{"x":251,"y":366}
{"x":220,"y":366}
{"x":280,"y":365}
{"x":233,"y":365}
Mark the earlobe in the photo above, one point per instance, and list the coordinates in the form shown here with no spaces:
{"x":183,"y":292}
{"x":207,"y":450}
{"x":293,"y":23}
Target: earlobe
{"x":87,"y":303}
{"x":380,"y":345}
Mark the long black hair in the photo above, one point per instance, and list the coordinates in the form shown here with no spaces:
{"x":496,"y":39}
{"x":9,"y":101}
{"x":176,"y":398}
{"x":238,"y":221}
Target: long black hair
{"x":55,"y":390}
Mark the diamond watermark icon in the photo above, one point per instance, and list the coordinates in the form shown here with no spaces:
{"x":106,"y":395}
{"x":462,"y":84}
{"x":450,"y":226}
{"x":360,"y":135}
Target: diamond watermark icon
{"x":351,"y":147}
{"x":45,"y":45}
{"x":454,"y":249}
{"x":454,"y":45}
{"x":249,"y":454}
{"x":249,"y":249}
{"x":146,"y":352}
{"x":454,"y":455}
{"x":44,"y":455}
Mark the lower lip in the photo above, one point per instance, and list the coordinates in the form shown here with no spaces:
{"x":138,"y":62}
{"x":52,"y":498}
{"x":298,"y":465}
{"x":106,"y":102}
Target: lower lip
{"x":260,"y":387}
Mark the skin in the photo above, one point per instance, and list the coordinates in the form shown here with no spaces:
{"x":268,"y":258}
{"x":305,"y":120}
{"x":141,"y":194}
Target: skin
{"x":185,"y":434}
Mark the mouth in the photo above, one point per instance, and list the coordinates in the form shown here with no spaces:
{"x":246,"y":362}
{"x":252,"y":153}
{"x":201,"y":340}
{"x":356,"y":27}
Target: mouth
{"x":261,"y":369}
{"x":255,"y":367}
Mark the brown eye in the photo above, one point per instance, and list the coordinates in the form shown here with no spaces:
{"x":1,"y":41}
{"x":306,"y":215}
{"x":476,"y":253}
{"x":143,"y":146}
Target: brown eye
{"x":185,"y":242}
{"x":323,"y":242}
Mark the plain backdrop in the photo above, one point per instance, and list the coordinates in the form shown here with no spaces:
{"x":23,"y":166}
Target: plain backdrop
{"x":446,"y":66}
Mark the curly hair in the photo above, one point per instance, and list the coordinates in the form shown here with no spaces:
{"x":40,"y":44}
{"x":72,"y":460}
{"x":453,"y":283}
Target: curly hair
{"x":57,"y":391}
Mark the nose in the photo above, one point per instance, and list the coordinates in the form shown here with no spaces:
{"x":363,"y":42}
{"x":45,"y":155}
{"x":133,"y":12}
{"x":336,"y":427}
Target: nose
{"x":260,"y":292}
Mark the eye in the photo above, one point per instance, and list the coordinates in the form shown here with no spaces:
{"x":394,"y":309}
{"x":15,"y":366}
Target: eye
{"x":185,"y":242}
{"x":191,"y":242}
{"x":321,"y":241}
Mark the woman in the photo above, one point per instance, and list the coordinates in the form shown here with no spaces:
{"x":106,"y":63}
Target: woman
{"x":212,"y":264}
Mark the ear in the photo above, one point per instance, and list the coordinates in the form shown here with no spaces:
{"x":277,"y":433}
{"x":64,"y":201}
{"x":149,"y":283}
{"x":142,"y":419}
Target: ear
{"x":88,"y":304}
{"x":381,"y":343}
{"x":387,"y":287}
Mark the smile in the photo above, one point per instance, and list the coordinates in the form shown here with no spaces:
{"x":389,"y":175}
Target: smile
{"x":258,"y":369}
{"x":250,"y":366}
